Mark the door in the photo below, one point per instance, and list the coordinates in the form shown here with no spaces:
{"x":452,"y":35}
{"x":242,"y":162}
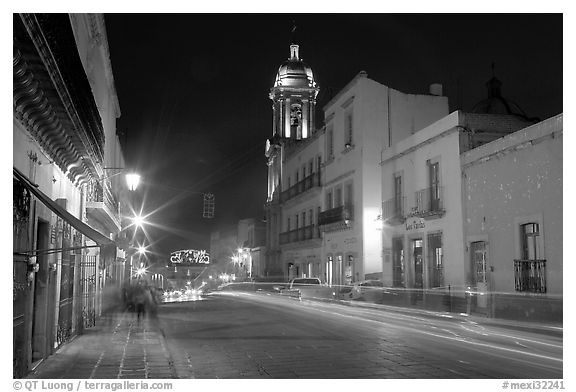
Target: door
{"x":398,"y":262}
{"x":418,"y":263}
{"x":479,"y":273}
{"x":40,"y":327}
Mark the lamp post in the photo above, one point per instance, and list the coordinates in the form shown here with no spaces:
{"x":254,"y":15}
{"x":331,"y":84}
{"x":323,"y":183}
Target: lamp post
{"x":132,"y":182}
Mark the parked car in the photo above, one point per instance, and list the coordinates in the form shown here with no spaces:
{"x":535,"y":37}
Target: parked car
{"x":365,"y":290}
{"x":304,"y":282}
{"x":298,"y":285}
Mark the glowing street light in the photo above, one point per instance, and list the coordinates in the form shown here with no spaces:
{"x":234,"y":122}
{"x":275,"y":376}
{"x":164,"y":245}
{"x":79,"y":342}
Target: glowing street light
{"x":132,"y":179}
{"x":142,"y":250}
{"x":138,"y":220}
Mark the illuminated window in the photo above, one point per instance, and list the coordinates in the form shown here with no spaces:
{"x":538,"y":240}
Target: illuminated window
{"x":435,"y":260}
{"x":530,"y":237}
{"x":530,"y":270}
{"x":398,"y":277}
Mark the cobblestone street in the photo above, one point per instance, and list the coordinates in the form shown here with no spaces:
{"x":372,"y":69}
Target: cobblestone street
{"x":117,"y":348}
{"x":243,"y":336}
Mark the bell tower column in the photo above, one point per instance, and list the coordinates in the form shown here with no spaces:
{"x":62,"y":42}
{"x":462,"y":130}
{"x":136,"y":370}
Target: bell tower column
{"x":287,"y":118}
{"x":305,"y":116}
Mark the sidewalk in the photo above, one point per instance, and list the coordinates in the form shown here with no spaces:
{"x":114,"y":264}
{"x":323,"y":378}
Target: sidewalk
{"x":118,"y":347}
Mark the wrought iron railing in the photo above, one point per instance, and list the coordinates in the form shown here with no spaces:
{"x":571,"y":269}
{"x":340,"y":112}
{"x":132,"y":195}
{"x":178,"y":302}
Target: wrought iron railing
{"x":313,"y":180}
{"x":100,"y":192}
{"x":530,"y":275}
{"x":335,"y":215}
{"x":301,"y":234}
{"x":394,"y":209}
{"x":428,"y":201}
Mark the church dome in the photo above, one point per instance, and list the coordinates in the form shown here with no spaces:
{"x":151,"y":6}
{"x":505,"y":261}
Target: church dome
{"x":294,"y":72}
{"x":495,"y":103}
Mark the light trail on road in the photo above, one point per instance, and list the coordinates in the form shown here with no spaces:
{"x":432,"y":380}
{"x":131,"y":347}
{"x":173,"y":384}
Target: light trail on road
{"x":280,"y":332}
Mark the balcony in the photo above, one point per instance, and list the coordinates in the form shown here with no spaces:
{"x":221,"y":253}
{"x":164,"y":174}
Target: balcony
{"x":53,"y":98}
{"x":429,"y":203}
{"x":101,"y":205}
{"x":530,"y":276}
{"x":394,"y":210}
{"x":299,"y":235}
{"x":336,"y":218}
{"x":313,"y":180}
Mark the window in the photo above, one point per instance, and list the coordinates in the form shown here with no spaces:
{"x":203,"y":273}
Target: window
{"x":303,"y":218}
{"x":330,"y":142}
{"x":348,"y":130}
{"x":397,"y":195}
{"x":530,"y":270}
{"x":349,"y":194}
{"x":310,"y":218}
{"x":311,"y":167}
{"x":289,"y":184}
{"x":297,"y":177}
{"x":530,"y":241}
{"x":329,"y":204}
{"x":338,"y":197}
{"x":296,"y":227}
{"x":434,"y":176}
{"x":288,"y":224}
{"x":435,"y":260}
{"x":304,"y":172}
{"x":319,"y":164}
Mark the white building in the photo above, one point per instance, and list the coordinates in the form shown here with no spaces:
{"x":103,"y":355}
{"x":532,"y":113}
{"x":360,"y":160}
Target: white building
{"x":65,"y":211}
{"x":422,"y":210}
{"x":513,"y":216}
{"x":363,"y":119}
{"x":324,"y":195}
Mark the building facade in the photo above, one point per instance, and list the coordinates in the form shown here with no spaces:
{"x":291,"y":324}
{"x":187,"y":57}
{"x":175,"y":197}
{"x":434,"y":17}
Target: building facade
{"x":512,"y":211}
{"x":364,"y":119}
{"x":64,"y":211}
{"x":422,"y":208}
{"x":324,"y":195}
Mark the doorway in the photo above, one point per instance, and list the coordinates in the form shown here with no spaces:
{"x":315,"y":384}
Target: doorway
{"x":418,"y":263}
{"x":40,"y":328}
{"x":479,"y":272}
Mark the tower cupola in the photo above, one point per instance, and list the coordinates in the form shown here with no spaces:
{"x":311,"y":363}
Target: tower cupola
{"x":294,"y":97}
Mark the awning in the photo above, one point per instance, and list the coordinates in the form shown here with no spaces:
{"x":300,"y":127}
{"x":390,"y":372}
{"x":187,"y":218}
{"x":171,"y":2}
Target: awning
{"x":76,"y":223}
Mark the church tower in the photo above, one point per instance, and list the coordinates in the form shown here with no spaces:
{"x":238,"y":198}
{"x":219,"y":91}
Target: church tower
{"x":294,"y":98}
{"x":293,"y":104}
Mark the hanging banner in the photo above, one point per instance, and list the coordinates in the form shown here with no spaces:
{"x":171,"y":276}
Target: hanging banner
{"x":189,"y":257}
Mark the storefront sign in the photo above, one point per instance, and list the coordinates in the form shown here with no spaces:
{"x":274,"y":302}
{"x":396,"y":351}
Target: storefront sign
{"x":415,"y":223}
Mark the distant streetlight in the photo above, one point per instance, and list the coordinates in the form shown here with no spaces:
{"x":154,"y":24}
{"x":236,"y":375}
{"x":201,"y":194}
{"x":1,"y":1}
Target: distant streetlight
{"x":142,"y":250}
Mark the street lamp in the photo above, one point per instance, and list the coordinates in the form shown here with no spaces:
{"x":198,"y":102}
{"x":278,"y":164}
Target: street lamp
{"x":132,"y":180}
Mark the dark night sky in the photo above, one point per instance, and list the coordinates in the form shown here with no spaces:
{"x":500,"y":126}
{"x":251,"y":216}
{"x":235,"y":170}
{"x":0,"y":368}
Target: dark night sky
{"x":193,"y":91}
